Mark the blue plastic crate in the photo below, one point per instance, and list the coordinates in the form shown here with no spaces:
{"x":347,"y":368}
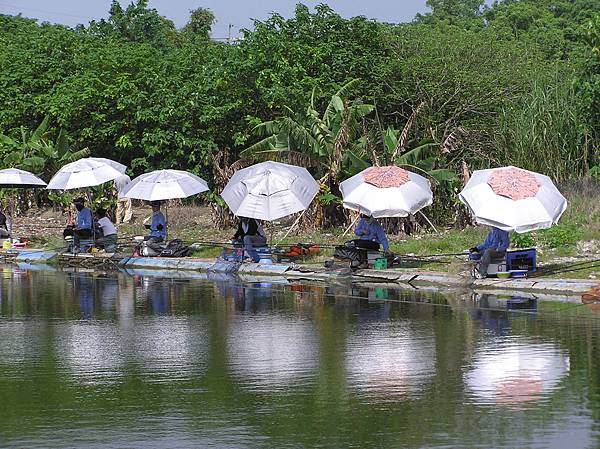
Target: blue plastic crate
{"x":521,"y":259}
{"x":264,"y":254}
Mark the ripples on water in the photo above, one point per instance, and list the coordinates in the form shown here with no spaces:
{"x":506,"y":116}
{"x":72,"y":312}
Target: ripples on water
{"x":144,"y":360}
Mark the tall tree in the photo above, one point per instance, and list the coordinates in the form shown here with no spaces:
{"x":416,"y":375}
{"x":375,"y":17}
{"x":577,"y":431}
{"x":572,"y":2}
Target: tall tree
{"x":138,"y":23}
{"x":455,"y":8}
{"x":200,"y":24}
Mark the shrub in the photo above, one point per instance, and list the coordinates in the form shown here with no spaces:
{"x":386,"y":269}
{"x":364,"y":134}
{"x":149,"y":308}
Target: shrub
{"x":526,"y":240}
{"x":559,"y":235}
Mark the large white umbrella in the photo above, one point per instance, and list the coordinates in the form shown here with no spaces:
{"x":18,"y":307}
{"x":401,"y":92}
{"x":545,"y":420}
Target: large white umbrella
{"x":13,"y":178}
{"x":513,"y":199}
{"x":165,"y":185}
{"x":386,"y":192}
{"x":19,"y":179}
{"x":86,"y":172}
{"x":269,"y":190}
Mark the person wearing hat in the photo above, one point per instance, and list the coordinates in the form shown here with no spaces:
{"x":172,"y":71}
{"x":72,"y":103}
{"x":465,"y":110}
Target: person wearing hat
{"x":370,"y":234}
{"x":371,"y":237}
{"x":109,"y":232}
{"x":250,"y":235}
{"x":84,"y":223}
{"x":158,"y":226}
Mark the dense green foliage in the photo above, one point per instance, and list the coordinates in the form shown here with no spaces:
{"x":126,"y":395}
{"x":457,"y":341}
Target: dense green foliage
{"x":516,"y":82}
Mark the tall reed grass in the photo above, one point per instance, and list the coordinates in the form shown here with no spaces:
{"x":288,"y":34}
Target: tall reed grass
{"x":545,"y":131}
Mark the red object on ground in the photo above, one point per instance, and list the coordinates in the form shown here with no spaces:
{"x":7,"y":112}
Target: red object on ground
{"x":514,"y":183}
{"x":384,"y":177}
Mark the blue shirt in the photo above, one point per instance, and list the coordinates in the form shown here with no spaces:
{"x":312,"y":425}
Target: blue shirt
{"x":497,"y":239}
{"x":158,"y":218}
{"x":84,"y":219}
{"x":374,"y":232}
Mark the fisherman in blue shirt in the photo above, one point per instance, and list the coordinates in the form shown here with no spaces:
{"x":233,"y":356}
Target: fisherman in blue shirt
{"x":84,"y":224}
{"x":494,"y":247}
{"x":158,"y":226}
{"x":371,"y":234}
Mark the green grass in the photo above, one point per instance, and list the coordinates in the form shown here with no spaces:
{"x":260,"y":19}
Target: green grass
{"x":450,"y":241}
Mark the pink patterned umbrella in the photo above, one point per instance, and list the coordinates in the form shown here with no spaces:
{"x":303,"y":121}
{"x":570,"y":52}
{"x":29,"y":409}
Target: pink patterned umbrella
{"x":386,"y":192}
{"x":513,"y":199}
{"x":386,"y":177}
{"x":514,"y":183}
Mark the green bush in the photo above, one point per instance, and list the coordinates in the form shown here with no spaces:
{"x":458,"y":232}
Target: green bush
{"x":526,"y":240}
{"x":559,"y":235}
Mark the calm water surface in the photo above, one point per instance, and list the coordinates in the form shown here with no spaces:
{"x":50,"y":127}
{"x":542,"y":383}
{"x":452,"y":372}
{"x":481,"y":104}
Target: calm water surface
{"x":143,"y":360}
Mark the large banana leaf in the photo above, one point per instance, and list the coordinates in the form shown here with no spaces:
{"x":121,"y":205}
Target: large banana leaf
{"x":414,"y":155}
{"x":341,"y":93}
{"x":390,"y":141}
{"x":40,"y":130}
{"x":266,"y":144}
{"x":355,"y":163}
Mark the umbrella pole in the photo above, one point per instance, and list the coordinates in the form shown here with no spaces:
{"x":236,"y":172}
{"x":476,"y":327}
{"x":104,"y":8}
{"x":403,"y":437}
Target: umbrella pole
{"x":293,"y":226}
{"x":430,"y":223}
{"x":11,"y":214}
{"x":166,"y":221}
{"x":351,"y":225}
{"x":91,"y":201}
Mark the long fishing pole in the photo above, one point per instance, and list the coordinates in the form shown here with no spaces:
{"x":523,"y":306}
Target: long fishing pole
{"x":566,"y":267}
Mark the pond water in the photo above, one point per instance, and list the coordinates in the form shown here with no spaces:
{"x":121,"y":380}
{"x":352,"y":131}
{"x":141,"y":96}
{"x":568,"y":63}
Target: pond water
{"x":123,"y":360}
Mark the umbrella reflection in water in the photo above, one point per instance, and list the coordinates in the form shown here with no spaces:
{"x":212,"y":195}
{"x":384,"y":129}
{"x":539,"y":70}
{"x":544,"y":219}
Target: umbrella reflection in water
{"x":387,"y":360}
{"x":89,"y":351}
{"x":514,"y":371}
{"x":165,"y":346}
{"x":271,"y":351}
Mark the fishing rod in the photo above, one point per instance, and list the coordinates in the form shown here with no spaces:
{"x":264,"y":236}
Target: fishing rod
{"x":323,"y":246}
{"x":570,"y":270}
{"x":566,"y":267}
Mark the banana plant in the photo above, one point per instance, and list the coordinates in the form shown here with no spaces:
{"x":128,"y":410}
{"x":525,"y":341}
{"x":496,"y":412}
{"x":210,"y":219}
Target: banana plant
{"x":419,"y":156}
{"x":37,"y":152}
{"x":326,"y":142}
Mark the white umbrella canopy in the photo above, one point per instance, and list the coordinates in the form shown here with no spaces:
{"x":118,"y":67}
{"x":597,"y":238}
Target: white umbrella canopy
{"x":19,"y":179}
{"x":86,"y":172}
{"x":386,"y":192}
{"x":161,"y":185}
{"x":269,"y":190}
{"x":513,"y":199}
